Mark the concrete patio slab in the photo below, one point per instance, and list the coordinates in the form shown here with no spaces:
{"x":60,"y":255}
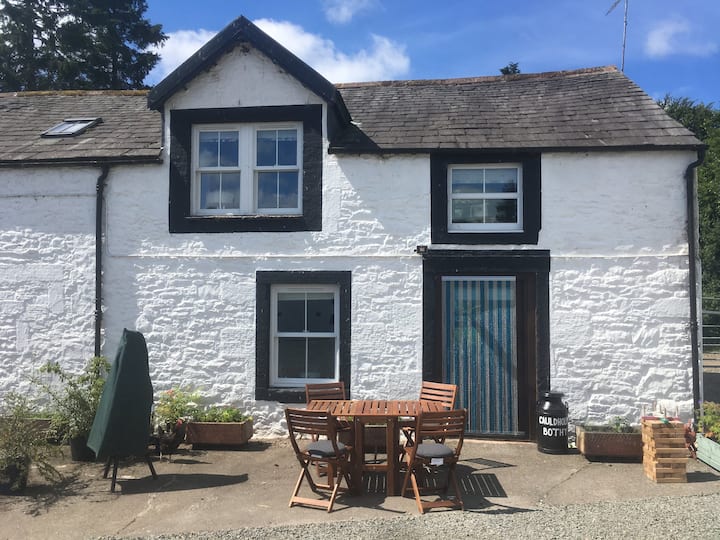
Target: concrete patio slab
{"x":215,"y":490}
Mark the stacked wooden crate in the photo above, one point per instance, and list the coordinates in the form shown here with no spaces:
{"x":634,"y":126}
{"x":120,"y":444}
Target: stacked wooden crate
{"x":664,"y":453}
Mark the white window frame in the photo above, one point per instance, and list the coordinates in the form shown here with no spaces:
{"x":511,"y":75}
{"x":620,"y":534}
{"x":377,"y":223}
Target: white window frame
{"x":275,"y":289}
{"x":485,"y":227}
{"x":247,"y":167}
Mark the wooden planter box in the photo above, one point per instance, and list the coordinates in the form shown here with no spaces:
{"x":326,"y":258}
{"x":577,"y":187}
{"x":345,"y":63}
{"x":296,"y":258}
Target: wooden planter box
{"x":210,"y":434}
{"x":708,"y":451}
{"x":609,"y":444}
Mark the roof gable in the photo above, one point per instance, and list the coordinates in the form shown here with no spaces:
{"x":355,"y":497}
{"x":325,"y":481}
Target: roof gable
{"x":241,"y":30}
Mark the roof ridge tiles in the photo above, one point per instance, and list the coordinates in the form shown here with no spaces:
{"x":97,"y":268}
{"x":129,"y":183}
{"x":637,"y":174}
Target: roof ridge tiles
{"x":33,"y":93}
{"x":487,"y":78}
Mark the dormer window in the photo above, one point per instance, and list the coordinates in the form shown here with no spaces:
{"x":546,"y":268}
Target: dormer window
{"x":246,"y":169}
{"x":71,"y":127}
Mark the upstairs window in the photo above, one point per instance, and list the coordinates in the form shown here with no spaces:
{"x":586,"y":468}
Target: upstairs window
{"x":247,"y":169}
{"x":485,"y":198}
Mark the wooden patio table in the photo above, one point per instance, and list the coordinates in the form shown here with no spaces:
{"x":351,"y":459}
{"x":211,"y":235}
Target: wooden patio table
{"x":376,"y":411}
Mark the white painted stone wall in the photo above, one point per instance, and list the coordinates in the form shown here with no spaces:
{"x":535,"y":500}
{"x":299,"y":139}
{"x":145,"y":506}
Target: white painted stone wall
{"x":47,"y":271}
{"x":614,"y":223}
{"x":620,"y":305}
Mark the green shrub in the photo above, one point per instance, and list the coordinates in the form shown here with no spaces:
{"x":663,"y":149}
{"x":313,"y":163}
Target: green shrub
{"x":221,"y":414}
{"x":23,"y":443}
{"x":75,"y":398}
{"x":710,"y":420}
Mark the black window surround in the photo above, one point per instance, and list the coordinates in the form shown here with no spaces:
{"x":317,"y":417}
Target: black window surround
{"x":181,"y":219}
{"x":263,"y":282}
{"x":439,"y":164}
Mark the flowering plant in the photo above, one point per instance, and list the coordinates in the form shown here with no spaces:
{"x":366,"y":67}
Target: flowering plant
{"x":175,"y":405}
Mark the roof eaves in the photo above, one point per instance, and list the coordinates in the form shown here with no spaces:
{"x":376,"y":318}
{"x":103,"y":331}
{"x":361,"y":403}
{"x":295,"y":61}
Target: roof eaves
{"x":367,"y":149}
{"x":83,"y":161}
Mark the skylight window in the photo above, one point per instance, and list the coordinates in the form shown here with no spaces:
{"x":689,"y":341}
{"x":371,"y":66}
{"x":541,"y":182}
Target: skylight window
{"x":71,"y":127}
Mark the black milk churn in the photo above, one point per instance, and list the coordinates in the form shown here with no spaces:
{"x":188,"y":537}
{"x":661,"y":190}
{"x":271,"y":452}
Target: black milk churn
{"x":552,"y":429}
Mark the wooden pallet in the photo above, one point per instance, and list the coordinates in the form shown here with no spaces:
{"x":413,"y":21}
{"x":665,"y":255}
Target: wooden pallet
{"x":664,"y":453}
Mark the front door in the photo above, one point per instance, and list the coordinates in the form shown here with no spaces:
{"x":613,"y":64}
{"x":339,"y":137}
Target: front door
{"x":480,"y":350}
{"x":486,"y":329}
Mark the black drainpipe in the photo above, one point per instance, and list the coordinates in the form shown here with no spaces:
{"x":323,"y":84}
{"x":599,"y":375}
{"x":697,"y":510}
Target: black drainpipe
{"x":100,"y":191}
{"x":693,"y":243}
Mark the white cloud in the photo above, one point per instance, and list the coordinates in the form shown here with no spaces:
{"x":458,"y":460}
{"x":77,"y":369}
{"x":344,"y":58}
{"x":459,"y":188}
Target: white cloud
{"x":178,"y":47}
{"x":342,"y":11}
{"x":385,"y":59}
{"x":676,"y":37}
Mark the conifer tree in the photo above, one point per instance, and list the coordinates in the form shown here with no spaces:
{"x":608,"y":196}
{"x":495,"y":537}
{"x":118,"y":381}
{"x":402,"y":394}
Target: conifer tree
{"x":75,"y":44}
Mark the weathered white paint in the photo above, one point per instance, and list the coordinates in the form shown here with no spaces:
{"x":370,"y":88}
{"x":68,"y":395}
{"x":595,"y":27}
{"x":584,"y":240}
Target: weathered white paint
{"x":614,"y":223}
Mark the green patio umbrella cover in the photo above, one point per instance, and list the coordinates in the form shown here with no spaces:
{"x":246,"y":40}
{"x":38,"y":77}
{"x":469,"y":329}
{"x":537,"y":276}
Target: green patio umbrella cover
{"x":122,"y":422}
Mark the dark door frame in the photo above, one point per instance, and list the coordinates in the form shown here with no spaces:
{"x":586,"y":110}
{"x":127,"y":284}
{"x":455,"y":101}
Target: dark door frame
{"x":532,"y":270}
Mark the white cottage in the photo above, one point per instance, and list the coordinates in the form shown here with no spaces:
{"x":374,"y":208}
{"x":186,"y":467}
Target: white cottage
{"x":264,"y":228}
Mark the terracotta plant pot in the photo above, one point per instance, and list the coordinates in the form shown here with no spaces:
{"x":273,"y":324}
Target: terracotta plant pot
{"x":226,"y":434}
{"x":596,"y":444}
{"x":14,"y":477}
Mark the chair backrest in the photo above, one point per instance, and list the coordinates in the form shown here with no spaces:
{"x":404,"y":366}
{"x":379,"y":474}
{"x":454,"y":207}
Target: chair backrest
{"x":333,"y":390}
{"x":316,"y":424}
{"x":441,"y":425}
{"x":439,"y":392}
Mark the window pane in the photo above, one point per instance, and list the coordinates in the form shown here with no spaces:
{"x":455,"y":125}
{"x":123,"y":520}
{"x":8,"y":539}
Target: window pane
{"x":467,"y":180}
{"x":287,"y":147}
{"x":266,"y":140}
{"x":209,"y":191}
{"x":291,"y":312}
{"x":501,"y":180}
{"x":230,"y":196}
{"x":501,"y":211}
{"x":321,"y":312}
{"x":208,"y":151}
{"x":288,"y":190}
{"x":267,"y":190}
{"x":291,"y":358}
{"x":468,"y":211}
{"x":321,"y":358}
{"x":228,"y":148}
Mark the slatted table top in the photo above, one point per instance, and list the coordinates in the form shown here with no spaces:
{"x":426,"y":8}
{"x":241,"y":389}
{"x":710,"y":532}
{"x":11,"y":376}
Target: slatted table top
{"x":378,"y":408}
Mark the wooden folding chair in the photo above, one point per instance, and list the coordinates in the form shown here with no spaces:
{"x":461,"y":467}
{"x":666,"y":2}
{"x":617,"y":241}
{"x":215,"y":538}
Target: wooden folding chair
{"x":428,"y":457}
{"x":332,"y":390}
{"x":323,"y":448}
{"x":442,"y":393}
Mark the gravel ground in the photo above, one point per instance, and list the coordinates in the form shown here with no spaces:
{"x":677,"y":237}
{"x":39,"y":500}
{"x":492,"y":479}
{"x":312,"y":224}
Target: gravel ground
{"x":669,"y":517}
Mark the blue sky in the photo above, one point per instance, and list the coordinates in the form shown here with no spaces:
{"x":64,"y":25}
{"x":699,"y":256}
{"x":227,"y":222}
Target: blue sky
{"x":673,"y":46}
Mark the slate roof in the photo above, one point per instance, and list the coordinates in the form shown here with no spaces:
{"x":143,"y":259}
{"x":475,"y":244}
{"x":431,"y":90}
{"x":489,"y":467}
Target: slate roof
{"x":583,"y":109}
{"x":129,"y":132}
{"x":568,"y":110}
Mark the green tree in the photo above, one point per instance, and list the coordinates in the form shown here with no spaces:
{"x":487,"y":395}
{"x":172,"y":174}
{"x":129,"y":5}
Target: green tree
{"x":75,"y":44}
{"x":704,"y":121}
{"x":104,"y":44}
{"x":28,"y":50}
{"x":513,"y":68}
